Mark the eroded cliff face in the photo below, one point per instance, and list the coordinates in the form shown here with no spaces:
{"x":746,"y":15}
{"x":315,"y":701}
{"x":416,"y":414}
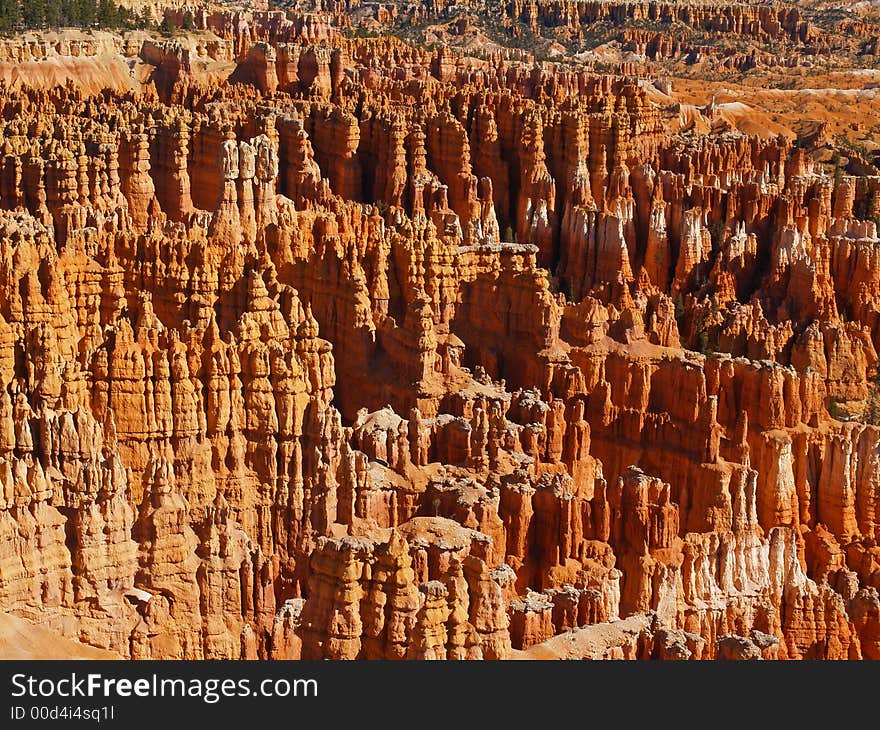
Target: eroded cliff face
{"x":373,"y":352}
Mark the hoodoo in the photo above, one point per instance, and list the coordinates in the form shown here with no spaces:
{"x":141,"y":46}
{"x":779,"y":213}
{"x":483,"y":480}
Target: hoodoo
{"x":316,"y":342}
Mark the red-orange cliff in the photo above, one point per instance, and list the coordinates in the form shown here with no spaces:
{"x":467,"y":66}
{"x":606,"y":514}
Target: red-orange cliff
{"x":372,"y":352}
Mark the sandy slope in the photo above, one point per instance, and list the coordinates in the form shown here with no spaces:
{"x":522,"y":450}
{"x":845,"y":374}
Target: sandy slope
{"x":21,"y":639}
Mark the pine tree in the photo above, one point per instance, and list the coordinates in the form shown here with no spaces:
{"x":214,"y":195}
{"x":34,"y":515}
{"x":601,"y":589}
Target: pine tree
{"x":87,"y":13}
{"x":10,"y":15}
{"x":34,"y":13}
{"x":38,"y":14}
{"x":143,"y":20}
{"x":54,"y":15}
{"x":108,"y":14}
{"x":69,"y":13}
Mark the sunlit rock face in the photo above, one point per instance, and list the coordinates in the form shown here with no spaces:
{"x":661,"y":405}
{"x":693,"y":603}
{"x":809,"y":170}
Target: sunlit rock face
{"x":315,"y":347}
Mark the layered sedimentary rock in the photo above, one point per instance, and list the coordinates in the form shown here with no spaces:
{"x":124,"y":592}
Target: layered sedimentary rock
{"x":373,"y":352}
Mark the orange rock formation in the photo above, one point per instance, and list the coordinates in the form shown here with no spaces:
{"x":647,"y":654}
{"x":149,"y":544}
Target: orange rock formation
{"x":376,"y":352}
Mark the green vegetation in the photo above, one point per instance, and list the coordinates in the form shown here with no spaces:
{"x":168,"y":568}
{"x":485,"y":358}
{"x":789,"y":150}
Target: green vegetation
{"x":679,"y":311}
{"x":836,"y":411}
{"x":871,"y":414}
{"x":560,"y":284}
{"x":703,"y":346}
{"x":862,"y":207}
{"x":702,"y":327}
{"x":716,"y":232}
{"x":17,"y":15}
{"x":838,"y":166}
{"x":852,"y":146}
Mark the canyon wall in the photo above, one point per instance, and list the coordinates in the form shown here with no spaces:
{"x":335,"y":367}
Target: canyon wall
{"x":376,"y":352}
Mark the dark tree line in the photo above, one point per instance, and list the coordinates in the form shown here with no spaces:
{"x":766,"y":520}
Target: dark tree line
{"x":37,"y":14}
